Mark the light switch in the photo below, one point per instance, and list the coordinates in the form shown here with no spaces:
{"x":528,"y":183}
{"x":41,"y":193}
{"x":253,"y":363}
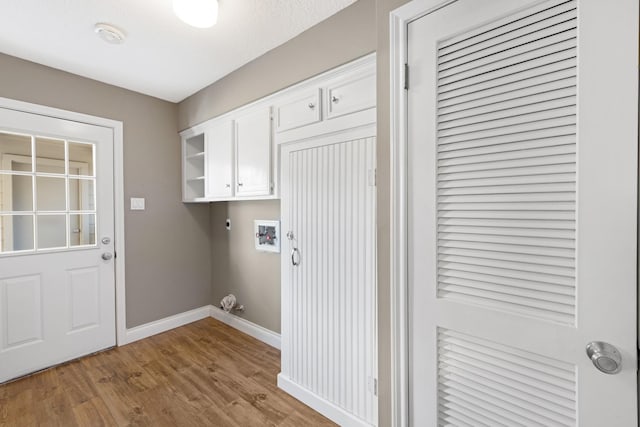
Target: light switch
{"x":137,"y":203}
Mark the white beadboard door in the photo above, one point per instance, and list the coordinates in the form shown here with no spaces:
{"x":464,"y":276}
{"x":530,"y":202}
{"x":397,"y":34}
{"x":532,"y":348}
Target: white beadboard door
{"x":329,"y":295}
{"x":522,"y":210}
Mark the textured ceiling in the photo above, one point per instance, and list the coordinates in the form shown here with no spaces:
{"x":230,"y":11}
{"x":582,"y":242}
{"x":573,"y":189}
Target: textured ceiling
{"x":162,"y":56}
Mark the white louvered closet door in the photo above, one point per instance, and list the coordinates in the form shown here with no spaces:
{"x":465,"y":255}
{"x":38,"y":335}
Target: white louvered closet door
{"x":522,"y":133}
{"x":329,"y":296}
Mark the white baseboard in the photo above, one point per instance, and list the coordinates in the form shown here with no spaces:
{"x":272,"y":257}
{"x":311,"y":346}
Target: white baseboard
{"x":326,"y":408}
{"x":258,"y":332}
{"x":152,"y":328}
{"x":166,"y":324}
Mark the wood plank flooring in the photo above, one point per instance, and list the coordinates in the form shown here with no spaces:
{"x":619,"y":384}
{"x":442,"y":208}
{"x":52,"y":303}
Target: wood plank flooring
{"x":202,"y":374}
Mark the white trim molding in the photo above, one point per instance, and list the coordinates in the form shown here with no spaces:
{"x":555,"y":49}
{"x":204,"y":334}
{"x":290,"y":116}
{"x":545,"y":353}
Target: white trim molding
{"x":243,"y":325}
{"x":166,"y":324}
{"x":118,"y":188}
{"x":399,"y":20}
{"x":177,"y":320}
{"x":323,"y":406}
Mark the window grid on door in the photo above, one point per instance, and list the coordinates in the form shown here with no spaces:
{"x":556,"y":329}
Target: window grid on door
{"x":47,"y":193}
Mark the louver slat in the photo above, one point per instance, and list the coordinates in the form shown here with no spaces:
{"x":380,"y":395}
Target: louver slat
{"x":537,"y":19}
{"x":506,"y":172}
{"x":521,"y":96}
{"x":495,"y":384}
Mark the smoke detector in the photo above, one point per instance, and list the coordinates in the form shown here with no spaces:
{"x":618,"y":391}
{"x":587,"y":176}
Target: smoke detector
{"x":109,"y":33}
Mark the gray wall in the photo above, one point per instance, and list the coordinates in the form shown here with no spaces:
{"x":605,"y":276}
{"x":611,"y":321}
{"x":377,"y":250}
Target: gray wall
{"x":254,"y":277}
{"x":236,"y":267}
{"x":339,"y":39}
{"x":167,"y":246}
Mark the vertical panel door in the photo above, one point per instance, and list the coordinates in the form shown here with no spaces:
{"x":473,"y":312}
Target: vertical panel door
{"x":57,"y":286}
{"x":522,"y":213}
{"x":329,"y":271}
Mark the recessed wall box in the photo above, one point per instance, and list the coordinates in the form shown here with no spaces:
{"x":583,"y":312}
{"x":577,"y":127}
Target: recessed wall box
{"x":267,"y":235}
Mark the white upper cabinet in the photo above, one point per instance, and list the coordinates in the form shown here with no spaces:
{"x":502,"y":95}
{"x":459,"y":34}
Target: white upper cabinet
{"x":351,"y":95}
{"x":235,"y":156}
{"x":300,"y":110}
{"x":219,"y":155}
{"x":253,"y":153}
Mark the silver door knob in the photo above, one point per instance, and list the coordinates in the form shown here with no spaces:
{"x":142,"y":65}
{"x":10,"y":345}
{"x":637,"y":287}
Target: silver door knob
{"x":107,"y":256}
{"x":605,"y":357}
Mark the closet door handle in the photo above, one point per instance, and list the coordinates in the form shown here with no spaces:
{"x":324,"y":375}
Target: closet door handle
{"x":295,"y":260}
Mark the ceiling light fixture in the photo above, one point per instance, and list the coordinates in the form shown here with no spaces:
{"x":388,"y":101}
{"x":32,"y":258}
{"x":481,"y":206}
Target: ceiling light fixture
{"x":197,"y":13}
{"x":109,"y":33}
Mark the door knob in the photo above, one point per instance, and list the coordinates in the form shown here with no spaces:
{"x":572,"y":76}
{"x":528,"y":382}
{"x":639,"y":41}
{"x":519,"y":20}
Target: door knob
{"x":107,"y":256}
{"x":605,"y":357}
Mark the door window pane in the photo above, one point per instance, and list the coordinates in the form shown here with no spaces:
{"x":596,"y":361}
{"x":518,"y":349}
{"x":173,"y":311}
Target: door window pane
{"x":15,"y":149}
{"x":47,"y":193}
{"x":16,"y":193}
{"x":49,"y":155}
{"x":82,"y":229}
{"x":51,"y":193}
{"x":16,"y":233}
{"x":80,"y":159}
{"x":52,"y":231}
{"x":81,"y":194}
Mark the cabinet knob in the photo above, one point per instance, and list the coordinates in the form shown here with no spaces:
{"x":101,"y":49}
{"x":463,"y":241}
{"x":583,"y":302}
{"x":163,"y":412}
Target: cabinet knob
{"x":227,"y":185}
{"x":239,"y":184}
{"x":335,"y":99}
{"x":312,"y":105}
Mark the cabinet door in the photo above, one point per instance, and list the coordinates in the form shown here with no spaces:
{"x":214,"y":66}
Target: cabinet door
{"x":302,"y":110}
{"x":253,"y":153}
{"x":350,"y":96}
{"x":220,"y":159}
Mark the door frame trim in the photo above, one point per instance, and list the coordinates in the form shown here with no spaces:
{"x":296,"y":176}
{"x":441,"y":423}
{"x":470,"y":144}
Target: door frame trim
{"x":118,"y":188}
{"x":399,"y":20}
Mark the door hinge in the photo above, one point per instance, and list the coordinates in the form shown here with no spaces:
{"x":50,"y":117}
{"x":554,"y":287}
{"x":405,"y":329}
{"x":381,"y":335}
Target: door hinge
{"x":373,"y":385}
{"x":406,"y":76}
{"x":372,"y":177}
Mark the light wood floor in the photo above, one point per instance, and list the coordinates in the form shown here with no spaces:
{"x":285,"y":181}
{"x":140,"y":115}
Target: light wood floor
{"x":202,"y":374}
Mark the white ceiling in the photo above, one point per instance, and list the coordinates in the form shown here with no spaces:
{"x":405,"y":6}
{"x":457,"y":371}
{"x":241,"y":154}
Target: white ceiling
{"x":162,"y":56}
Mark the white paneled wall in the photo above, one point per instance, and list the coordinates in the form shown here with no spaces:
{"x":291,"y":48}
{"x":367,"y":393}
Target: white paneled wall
{"x":329,"y":326}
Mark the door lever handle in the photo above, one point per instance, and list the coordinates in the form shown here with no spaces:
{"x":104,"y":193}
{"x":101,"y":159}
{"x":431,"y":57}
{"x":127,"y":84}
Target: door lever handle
{"x":295,"y":252}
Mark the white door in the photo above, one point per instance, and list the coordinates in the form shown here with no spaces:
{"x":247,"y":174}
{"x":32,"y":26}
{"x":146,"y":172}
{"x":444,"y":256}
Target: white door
{"x":522,"y":171}
{"x":57,"y":286}
{"x":329,"y":276}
